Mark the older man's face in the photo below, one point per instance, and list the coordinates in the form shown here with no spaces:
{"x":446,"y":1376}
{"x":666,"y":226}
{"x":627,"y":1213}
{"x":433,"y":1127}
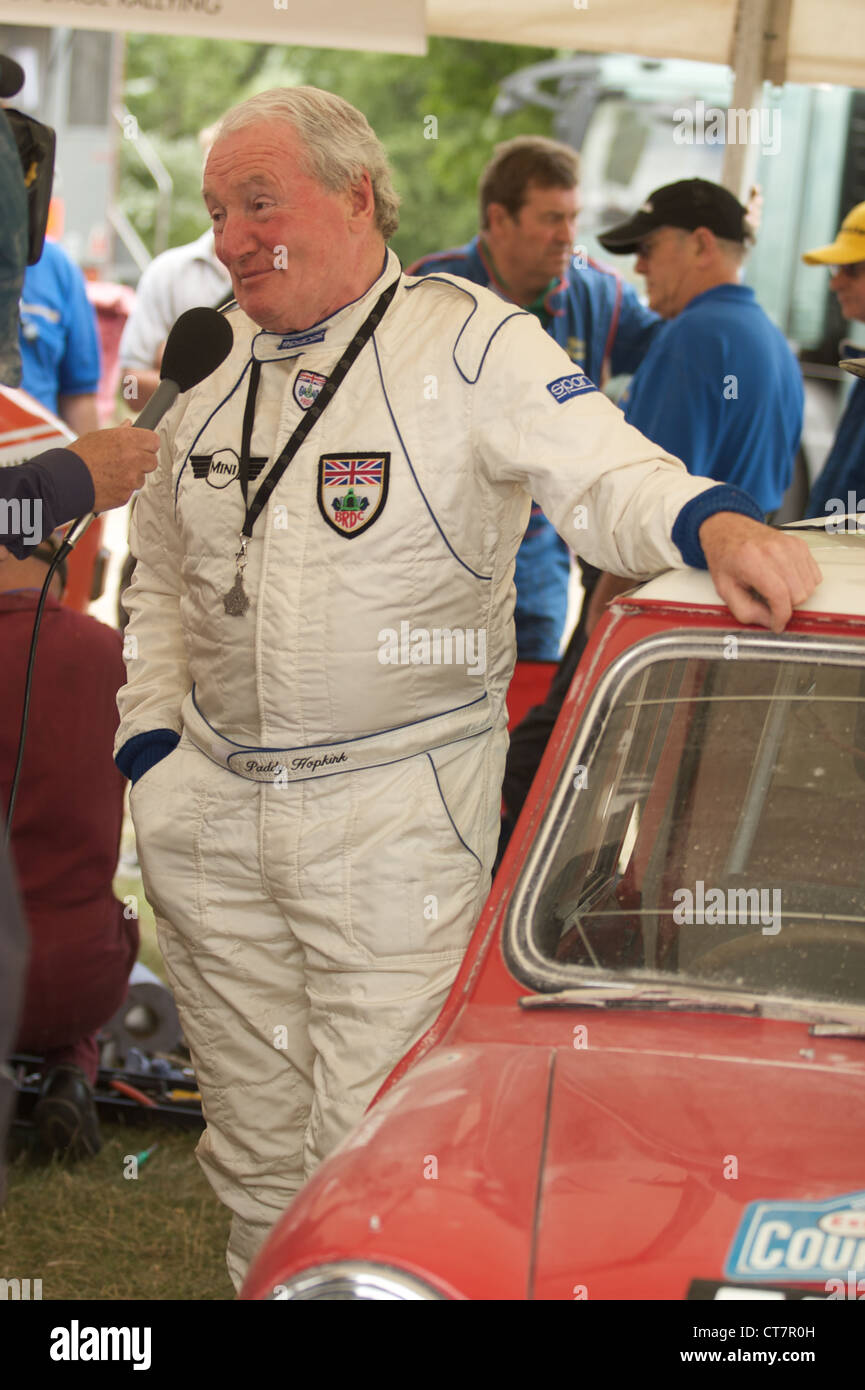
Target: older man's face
{"x":665,"y":258}
{"x":848,"y":282}
{"x":286,"y":242}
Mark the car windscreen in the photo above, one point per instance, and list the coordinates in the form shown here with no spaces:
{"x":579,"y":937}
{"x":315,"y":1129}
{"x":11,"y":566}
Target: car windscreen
{"x":715,"y":832}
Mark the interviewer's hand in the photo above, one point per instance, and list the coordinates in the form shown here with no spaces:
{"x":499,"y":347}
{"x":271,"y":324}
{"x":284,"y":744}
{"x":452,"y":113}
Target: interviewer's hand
{"x":761,"y":574}
{"x":118,"y":461}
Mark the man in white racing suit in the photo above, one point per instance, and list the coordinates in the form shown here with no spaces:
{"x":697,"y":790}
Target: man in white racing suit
{"x":314,"y":719}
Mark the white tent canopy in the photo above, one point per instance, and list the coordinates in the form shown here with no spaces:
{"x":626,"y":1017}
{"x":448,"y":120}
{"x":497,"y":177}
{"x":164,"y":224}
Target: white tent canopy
{"x":813,"y":40}
{"x":825,"y":39}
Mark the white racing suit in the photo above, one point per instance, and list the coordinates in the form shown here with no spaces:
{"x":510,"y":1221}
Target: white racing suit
{"x":318,"y":845}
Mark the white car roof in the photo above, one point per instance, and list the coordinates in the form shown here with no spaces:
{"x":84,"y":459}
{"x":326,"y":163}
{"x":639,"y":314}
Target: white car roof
{"x":840,"y":555}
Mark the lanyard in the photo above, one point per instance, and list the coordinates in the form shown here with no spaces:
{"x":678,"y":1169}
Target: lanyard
{"x":236,"y":601}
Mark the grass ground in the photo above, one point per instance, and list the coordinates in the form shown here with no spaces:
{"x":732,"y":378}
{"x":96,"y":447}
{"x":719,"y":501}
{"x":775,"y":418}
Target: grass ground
{"x":89,"y":1232}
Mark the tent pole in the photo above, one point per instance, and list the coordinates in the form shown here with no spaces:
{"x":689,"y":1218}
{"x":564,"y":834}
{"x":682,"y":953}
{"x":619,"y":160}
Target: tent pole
{"x":759,"y":53}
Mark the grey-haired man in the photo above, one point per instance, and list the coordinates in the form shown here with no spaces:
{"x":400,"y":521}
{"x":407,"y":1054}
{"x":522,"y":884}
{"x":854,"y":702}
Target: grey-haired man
{"x":317,"y":752}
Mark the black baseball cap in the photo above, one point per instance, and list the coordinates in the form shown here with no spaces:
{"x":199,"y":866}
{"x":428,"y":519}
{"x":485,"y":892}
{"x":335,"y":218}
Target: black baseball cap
{"x":688,"y":204}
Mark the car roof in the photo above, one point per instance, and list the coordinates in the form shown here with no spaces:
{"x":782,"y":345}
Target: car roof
{"x":840,"y":555}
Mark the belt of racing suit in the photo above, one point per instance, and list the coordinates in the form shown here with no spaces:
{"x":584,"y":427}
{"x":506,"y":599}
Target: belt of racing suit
{"x":283,"y":765}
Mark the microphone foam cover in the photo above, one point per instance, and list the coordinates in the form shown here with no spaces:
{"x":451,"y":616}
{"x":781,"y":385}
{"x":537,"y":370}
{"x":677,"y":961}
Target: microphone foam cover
{"x":11,"y":77}
{"x":199,"y":341}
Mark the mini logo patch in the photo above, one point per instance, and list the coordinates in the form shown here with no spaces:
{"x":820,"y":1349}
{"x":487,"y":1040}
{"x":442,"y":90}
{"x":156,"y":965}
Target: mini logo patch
{"x":352,"y":490}
{"x":306,"y":387}
{"x":564,"y":387}
{"x":222,"y":467}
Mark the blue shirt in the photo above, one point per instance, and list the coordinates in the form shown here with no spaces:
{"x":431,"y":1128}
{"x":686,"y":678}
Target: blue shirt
{"x":59,"y":341}
{"x":844,"y":470}
{"x":721,"y":389}
{"x":594,"y":315}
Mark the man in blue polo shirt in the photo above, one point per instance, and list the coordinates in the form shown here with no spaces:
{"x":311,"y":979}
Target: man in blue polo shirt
{"x":841,"y":483}
{"x":60,"y":355}
{"x":529,"y":205}
{"x":720,"y":387}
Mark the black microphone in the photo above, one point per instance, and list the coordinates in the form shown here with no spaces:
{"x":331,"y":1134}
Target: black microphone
{"x":198,"y":343}
{"x":11,"y":77}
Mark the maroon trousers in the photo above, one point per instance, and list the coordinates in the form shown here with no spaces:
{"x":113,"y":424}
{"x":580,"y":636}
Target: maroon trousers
{"x":66,"y":828}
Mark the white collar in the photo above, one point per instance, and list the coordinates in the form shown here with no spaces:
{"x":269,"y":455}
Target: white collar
{"x":336,"y":330}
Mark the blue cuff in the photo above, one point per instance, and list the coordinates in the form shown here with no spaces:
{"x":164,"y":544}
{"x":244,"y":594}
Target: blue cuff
{"x":723,"y":498}
{"x":139,"y":754}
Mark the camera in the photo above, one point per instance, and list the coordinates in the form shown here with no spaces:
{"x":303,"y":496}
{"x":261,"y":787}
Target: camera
{"x":36,"y":144}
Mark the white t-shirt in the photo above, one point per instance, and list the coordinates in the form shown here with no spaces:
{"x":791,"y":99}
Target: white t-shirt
{"x":181,"y":278}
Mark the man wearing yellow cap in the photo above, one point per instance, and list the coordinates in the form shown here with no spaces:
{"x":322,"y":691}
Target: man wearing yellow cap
{"x":844,"y":470}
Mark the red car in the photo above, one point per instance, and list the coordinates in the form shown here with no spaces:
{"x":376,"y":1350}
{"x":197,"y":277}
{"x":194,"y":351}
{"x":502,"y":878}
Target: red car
{"x":26,"y":429}
{"x":648,"y":1081}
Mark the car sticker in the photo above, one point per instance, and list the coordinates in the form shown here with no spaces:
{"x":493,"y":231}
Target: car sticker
{"x":801,"y":1242}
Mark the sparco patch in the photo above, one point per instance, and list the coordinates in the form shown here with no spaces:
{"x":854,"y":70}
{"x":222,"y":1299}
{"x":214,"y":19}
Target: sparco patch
{"x":352,"y":490}
{"x":564,"y":387}
{"x":296,"y":340}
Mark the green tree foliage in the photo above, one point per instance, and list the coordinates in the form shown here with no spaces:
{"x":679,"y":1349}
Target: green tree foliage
{"x":433,"y":114}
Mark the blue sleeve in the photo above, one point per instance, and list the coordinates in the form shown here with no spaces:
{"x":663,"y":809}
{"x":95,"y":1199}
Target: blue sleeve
{"x":52,"y":488}
{"x":636,"y":331}
{"x":144,"y":751}
{"x":81,"y":364}
{"x":686,"y":528}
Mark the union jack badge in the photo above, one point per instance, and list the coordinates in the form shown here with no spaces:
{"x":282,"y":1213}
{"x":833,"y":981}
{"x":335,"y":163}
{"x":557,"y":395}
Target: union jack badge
{"x":306,"y":387}
{"x":352,"y":490}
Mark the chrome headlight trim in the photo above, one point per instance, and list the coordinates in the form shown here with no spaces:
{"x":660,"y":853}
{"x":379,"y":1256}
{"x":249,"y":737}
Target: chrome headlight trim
{"x":354,"y":1280}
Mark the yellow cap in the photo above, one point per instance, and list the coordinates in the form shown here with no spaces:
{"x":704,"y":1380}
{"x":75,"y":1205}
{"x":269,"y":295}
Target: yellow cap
{"x":848,"y":246}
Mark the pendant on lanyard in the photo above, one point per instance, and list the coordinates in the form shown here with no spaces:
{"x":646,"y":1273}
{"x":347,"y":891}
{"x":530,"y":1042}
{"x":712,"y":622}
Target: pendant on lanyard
{"x":236,"y":600}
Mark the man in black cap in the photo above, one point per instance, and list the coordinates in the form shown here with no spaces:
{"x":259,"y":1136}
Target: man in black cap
{"x":719,"y":388}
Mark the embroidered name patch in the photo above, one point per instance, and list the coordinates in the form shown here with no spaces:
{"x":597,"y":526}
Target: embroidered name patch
{"x":564,"y":387}
{"x":352,"y":490}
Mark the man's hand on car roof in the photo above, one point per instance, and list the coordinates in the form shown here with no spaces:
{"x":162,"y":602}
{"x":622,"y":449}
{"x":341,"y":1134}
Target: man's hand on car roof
{"x":761,"y":574}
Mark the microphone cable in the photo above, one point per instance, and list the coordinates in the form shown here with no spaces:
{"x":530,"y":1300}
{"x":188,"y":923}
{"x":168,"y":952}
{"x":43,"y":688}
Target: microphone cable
{"x":60,"y":555}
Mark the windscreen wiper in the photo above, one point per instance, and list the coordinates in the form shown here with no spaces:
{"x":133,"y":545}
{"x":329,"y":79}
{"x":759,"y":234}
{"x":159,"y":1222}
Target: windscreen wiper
{"x":827,"y":1020}
{"x":641,"y":996}
{"x":835,"y":1029}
